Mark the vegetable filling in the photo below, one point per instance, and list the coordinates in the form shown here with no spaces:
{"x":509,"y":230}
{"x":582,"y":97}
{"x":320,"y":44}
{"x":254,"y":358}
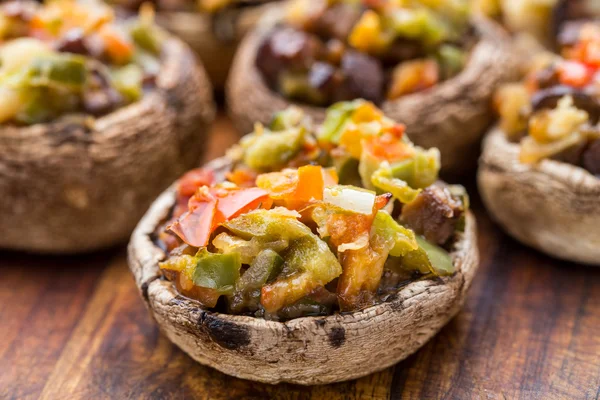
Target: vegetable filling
{"x":554,"y":113}
{"x":73,"y":57}
{"x":312,"y":221}
{"x":327,"y":51}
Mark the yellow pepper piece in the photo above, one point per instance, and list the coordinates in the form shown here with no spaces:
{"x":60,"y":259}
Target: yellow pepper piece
{"x":367,"y":34}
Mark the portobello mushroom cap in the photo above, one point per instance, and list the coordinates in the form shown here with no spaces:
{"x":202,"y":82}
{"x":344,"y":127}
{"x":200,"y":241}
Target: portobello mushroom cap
{"x":552,"y":206}
{"x":452,"y":116}
{"x":79,"y":184}
{"x":214,"y":38}
{"x":309,"y":350}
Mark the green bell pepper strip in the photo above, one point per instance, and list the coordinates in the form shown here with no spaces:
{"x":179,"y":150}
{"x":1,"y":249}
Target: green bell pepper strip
{"x":428,"y":259}
{"x":146,"y":37}
{"x":217,"y":271}
{"x":384,"y":181}
{"x":421,"y":170}
{"x":269,"y":150}
{"x":401,"y":240}
{"x":128,"y":81}
{"x":289,"y":118}
{"x":335,"y":121}
{"x":308,"y":261}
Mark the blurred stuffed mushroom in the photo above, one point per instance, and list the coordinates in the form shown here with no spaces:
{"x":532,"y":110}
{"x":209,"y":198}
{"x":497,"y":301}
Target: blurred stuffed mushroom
{"x":96,"y":117}
{"x":212,"y":28}
{"x":540,"y":170}
{"x":427,"y":64}
{"x":334,"y":251}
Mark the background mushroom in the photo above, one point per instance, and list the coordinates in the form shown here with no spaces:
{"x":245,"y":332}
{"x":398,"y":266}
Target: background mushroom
{"x":552,"y":206}
{"x":213,"y":34}
{"x":310,"y":350}
{"x":79,"y":184}
{"x":452,"y":115}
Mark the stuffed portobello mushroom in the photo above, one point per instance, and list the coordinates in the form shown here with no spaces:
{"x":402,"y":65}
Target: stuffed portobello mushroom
{"x":213,"y":28}
{"x":308,"y":255}
{"x":540,"y":170}
{"x":427,"y":64}
{"x":97,"y":116}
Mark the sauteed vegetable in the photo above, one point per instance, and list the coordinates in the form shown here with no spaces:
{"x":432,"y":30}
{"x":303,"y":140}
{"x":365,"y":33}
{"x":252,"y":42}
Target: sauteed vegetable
{"x":555,"y":112}
{"x":333,"y":50}
{"x":72,"y":57}
{"x":307,"y":221}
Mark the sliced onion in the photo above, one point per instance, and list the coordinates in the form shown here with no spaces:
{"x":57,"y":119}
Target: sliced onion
{"x":350,"y":198}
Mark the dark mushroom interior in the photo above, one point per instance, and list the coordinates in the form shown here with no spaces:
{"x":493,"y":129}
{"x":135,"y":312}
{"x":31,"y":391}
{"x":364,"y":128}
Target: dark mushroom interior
{"x":311,"y":221}
{"x":327,"y":51}
{"x":554,"y":113}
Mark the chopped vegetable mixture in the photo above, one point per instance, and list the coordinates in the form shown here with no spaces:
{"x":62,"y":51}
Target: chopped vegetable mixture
{"x":311,"y":221}
{"x":554,"y":113}
{"x":327,"y":51}
{"x":72,"y":57}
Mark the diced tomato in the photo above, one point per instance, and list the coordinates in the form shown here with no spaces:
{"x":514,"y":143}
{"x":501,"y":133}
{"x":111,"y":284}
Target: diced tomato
{"x":209,"y":208}
{"x":240,"y":201}
{"x":195,"y":226}
{"x":575,"y":74}
{"x":387,"y":147}
{"x":194,"y":179}
{"x":188,"y":185}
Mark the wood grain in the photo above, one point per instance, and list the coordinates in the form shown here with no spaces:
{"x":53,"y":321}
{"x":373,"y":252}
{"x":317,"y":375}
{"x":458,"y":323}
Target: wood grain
{"x":75,"y":328}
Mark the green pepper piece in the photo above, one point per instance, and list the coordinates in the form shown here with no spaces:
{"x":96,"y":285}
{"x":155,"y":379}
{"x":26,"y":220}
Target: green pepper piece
{"x":308,"y":261}
{"x":297,"y":87}
{"x":439,"y":258}
{"x":64,"y":71}
{"x":451,"y":60}
{"x":429,"y":259}
{"x":384,"y":181}
{"x":401,"y":240}
{"x":272,"y":150}
{"x":146,"y":37}
{"x":347,"y":170}
{"x":128,"y":81}
{"x":335,"y":121}
{"x":268,"y":226}
{"x":421,"y":170}
{"x":367,"y":166}
{"x":289,"y":118}
{"x":247,"y":249}
{"x":217,"y":271}
{"x":266,"y":266}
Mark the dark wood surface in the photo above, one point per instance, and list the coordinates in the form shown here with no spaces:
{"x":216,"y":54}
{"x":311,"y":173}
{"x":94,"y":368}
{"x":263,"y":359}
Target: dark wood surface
{"x":75,"y":328}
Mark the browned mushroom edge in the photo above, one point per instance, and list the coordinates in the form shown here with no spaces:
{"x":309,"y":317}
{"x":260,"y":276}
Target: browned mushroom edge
{"x":77,"y":185}
{"x":452,"y":116}
{"x":552,"y":206}
{"x":309,"y":350}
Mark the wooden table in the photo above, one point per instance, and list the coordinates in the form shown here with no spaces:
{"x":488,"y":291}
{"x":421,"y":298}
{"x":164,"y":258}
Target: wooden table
{"x":75,"y":328}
